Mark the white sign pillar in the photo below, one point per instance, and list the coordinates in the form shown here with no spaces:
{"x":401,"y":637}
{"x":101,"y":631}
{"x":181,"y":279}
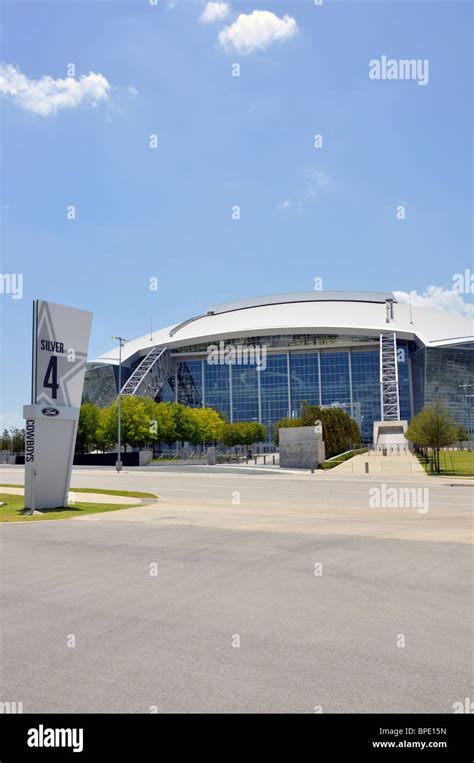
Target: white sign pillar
{"x":60,"y":344}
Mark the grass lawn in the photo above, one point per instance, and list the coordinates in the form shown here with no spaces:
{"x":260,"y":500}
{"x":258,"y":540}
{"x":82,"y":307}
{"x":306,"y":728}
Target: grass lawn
{"x":127,"y":493}
{"x":455,"y":463}
{"x":13,"y":509}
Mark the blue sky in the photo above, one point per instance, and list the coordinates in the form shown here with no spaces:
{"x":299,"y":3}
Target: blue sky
{"x":165,"y":213}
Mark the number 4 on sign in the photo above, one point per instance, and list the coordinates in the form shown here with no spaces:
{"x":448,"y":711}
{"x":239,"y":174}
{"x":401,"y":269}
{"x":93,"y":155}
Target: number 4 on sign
{"x":51,"y":376}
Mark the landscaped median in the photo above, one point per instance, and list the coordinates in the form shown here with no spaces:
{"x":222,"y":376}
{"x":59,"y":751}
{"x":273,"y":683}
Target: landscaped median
{"x":107,"y":500}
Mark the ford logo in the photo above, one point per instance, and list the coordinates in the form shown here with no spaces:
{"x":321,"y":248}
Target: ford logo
{"x":50,"y":411}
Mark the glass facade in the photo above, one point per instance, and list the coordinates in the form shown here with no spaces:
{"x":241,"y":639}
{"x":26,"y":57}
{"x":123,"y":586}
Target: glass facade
{"x":446,"y":373}
{"x":417,"y":363}
{"x":100,"y":385}
{"x":288,"y":340}
{"x":324,"y":375}
{"x":217,"y":387}
{"x":365,"y":367}
{"x":403,"y":367}
{"x":167,"y":393}
{"x":189,"y":382}
{"x":244,"y":393}
{"x":274,"y":390}
{"x":335,"y":384}
{"x":449,"y":375}
{"x":304,"y":373}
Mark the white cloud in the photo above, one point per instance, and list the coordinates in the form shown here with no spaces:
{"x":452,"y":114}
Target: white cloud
{"x":46,"y":96}
{"x":438,"y":298}
{"x":290,"y":206}
{"x":214,"y":12}
{"x":317,"y":181}
{"x":256,"y":31}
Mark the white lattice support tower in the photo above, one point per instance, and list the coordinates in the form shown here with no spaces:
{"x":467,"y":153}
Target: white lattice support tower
{"x":389,"y":398}
{"x":150,"y":375}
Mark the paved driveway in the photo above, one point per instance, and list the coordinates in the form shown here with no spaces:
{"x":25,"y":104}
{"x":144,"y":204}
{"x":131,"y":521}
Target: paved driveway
{"x":209,"y":606}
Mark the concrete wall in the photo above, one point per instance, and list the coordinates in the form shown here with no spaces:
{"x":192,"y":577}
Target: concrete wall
{"x":301,"y":448}
{"x":390,"y":434}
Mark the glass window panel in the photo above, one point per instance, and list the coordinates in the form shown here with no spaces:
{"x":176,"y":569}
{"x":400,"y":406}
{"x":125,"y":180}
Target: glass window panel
{"x":366,"y":391}
{"x":244,"y":392}
{"x":335,"y":378}
{"x":217,"y":387}
{"x":304,"y":380}
{"x":274,"y":391}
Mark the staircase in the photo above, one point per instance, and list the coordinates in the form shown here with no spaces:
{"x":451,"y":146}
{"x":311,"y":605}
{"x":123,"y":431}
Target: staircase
{"x":389,"y":398}
{"x":150,"y":375}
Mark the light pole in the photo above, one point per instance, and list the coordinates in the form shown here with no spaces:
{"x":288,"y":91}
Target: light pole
{"x":468,"y":407}
{"x":118,"y":463}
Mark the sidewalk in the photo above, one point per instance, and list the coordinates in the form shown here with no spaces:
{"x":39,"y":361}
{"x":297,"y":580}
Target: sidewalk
{"x":405,"y":463}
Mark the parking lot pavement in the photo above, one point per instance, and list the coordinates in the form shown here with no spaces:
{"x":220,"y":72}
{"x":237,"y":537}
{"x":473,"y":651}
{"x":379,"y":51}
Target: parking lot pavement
{"x":300,"y":596}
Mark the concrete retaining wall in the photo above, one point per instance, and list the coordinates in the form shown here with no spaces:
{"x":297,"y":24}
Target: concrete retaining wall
{"x":301,"y":448}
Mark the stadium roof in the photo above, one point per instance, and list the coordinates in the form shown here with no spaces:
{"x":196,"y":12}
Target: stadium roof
{"x":306,"y":312}
{"x":302,"y":296}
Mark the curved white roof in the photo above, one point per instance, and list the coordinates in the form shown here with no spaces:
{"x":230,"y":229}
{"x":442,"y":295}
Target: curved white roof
{"x":306,"y":312}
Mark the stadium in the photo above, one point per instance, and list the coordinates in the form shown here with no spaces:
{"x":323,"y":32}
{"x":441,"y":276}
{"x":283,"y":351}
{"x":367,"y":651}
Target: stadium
{"x":258,"y":359}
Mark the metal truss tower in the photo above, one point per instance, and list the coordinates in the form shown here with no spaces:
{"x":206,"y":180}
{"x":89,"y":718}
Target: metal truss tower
{"x":150,"y":375}
{"x":389,"y":398}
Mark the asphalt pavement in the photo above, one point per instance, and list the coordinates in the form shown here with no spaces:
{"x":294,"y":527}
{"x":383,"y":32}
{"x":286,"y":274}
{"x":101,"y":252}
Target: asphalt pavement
{"x":268,"y":593}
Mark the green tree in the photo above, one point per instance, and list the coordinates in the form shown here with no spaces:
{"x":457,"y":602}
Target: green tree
{"x":253,"y":432}
{"x":106,"y":436}
{"x":433,"y":428}
{"x":18,"y":440}
{"x":243,"y":433}
{"x":196,"y":425}
{"x":162,"y":422}
{"x":354,"y":429}
{"x":135,"y":422}
{"x":6,"y":440}
{"x":166,"y":423}
{"x":185,"y":423}
{"x":230,"y":435}
{"x":89,"y":418}
{"x":150,"y":407}
{"x":339,"y":430}
{"x":210,"y":425}
{"x":461,"y":435}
